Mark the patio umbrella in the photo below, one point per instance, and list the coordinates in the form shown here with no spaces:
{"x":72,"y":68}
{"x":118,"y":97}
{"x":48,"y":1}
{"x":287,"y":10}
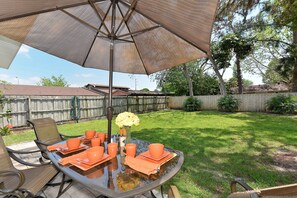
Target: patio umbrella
{"x":131,"y":36}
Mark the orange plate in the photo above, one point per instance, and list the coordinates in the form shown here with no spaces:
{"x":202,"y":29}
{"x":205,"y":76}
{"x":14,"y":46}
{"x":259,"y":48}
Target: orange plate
{"x":86,"y":167}
{"x":86,"y":160}
{"x":147,"y":154}
{"x":160,"y":162}
{"x":81,"y":147}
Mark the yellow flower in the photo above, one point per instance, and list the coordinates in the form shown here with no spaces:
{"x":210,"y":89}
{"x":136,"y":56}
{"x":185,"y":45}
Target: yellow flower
{"x":127,"y":119}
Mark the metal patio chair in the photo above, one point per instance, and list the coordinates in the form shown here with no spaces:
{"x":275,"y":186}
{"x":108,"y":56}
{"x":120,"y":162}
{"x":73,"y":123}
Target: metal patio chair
{"x":22,"y":183}
{"x":46,"y":133}
{"x":286,"y":191}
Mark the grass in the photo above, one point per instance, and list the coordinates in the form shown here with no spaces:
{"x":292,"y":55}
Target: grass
{"x":217,"y":146}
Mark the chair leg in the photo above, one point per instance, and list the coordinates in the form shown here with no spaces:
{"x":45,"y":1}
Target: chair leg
{"x":62,"y":189}
{"x":154,"y":196}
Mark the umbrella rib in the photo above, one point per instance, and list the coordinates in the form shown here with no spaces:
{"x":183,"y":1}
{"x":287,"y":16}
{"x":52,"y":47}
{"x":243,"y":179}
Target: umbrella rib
{"x":96,"y":35}
{"x":83,"y":22}
{"x":168,"y":29}
{"x":98,"y":15}
{"x":134,"y":42}
{"x":139,"y":31}
{"x":127,"y":15}
{"x":45,"y":11}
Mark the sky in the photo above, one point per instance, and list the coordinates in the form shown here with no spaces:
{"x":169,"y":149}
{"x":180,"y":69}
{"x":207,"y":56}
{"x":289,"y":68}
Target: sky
{"x":30,"y":65}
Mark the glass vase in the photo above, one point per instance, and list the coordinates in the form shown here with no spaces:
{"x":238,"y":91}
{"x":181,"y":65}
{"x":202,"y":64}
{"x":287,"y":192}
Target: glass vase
{"x":128,"y":134}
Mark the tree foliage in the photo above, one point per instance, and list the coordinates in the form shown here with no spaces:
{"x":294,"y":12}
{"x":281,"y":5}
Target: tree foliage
{"x":174,"y":80}
{"x":57,"y":81}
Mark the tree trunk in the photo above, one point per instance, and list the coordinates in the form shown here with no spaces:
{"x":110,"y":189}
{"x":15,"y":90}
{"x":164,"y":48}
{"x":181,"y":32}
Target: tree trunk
{"x":239,"y":75}
{"x":220,"y":77}
{"x":188,"y":77}
{"x":294,"y":79}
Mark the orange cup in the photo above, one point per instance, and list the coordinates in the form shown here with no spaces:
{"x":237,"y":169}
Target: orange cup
{"x":156,"y":150}
{"x":73,"y":143}
{"x":131,"y":149}
{"x":112,"y":149}
{"x":95,"y":142}
{"x":90,"y":134}
{"x":101,"y":136}
{"x":95,"y":153}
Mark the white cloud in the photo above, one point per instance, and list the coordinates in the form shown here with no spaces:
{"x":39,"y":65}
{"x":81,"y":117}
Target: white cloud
{"x":84,"y":75}
{"x":22,"y":81}
{"x":25,"y":51}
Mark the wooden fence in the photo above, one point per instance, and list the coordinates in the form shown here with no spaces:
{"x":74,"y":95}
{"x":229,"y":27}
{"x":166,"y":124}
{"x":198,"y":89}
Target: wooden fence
{"x":59,"y":107}
{"x":248,"y":102}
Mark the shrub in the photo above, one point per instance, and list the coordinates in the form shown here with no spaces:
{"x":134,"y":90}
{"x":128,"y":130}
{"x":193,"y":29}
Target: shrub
{"x":228,"y":103}
{"x":282,"y":104}
{"x":6,"y":130}
{"x":192,"y":104}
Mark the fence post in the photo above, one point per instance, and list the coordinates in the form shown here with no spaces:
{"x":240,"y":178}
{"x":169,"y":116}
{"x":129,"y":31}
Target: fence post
{"x":29,"y":108}
{"x":127,"y":98}
{"x":104,"y":105}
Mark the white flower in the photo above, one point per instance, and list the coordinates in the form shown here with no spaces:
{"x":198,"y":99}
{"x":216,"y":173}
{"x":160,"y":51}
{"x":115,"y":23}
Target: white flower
{"x":127,"y":119}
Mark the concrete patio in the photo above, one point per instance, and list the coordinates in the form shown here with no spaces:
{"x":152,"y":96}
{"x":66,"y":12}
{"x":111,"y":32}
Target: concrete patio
{"x":75,"y":191}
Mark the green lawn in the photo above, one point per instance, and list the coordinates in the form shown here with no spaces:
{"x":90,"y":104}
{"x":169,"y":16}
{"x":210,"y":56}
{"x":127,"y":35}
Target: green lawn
{"x":217,"y":146}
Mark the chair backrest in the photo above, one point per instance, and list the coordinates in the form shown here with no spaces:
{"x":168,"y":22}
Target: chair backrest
{"x":46,"y":130}
{"x":5,"y":162}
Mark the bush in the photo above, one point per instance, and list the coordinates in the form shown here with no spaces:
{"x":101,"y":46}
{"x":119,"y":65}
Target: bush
{"x":192,"y":104}
{"x":282,"y":104}
{"x":228,"y":104}
{"x":6,"y":130}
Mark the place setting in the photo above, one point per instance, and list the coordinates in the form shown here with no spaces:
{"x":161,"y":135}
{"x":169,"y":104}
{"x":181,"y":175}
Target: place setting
{"x":72,"y":145}
{"x":150,"y":161}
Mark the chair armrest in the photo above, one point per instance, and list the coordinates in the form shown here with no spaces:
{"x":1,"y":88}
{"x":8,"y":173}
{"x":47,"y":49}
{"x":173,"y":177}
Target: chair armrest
{"x":13,"y":156}
{"x":241,"y":182}
{"x":21,"y":152}
{"x":63,"y":136}
{"x":41,"y":143}
{"x":19,"y":174}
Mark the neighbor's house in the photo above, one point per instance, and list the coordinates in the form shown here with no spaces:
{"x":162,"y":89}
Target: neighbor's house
{"x":275,"y":88}
{"x":103,"y":90}
{"x":32,"y":90}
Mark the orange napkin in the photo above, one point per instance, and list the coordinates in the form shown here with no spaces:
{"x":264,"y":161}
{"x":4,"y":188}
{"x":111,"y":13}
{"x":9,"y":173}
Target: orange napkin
{"x":67,"y":160}
{"x":141,"y":165}
{"x":54,"y":147}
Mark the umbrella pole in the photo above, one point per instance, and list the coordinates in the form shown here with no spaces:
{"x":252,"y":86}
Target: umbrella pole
{"x":109,"y":108}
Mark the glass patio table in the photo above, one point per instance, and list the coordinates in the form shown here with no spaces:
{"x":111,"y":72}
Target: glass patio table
{"x":114,"y":179}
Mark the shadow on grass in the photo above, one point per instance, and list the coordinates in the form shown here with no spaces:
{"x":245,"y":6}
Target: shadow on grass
{"x":213,"y":157}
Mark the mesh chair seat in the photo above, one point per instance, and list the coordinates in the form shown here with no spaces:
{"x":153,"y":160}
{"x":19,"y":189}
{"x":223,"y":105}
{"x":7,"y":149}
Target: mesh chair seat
{"x":35,"y":178}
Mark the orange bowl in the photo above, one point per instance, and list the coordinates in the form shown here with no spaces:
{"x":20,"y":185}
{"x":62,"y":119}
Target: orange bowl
{"x":95,"y":153}
{"x":73,"y":143}
{"x":156,"y":150}
{"x":90,"y":134}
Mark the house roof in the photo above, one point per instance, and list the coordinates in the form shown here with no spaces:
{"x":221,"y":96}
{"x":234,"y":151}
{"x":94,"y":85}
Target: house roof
{"x":263,"y":88}
{"x":106,"y":86}
{"x":31,"y":90}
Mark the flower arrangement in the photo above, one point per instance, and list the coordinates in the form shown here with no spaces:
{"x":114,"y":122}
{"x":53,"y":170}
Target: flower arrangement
{"x":127,"y":119}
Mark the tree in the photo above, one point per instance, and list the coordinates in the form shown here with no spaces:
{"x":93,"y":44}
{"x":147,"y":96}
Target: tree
{"x":57,"y":81}
{"x":284,"y":13}
{"x":145,"y":89}
{"x":232,"y":18}
{"x":174,"y":80}
{"x":4,"y":82}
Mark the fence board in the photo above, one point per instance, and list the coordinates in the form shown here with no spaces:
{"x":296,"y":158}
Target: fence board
{"x":248,"y":102}
{"x":59,"y":107}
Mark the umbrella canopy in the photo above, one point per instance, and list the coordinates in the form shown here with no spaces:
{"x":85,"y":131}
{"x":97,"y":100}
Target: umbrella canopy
{"x":131,"y":36}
